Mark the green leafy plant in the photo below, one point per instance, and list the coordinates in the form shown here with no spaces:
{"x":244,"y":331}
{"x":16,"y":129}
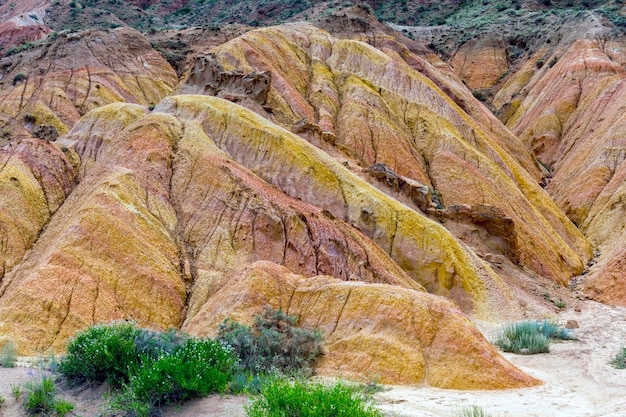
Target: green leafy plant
{"x":619,"y":360}
{"x":102,"y":353}
{"x":274,"y":343}
{"x":530,"y":337}
{"x":16,"y":390}
{"x":286,"y":398}
{"x":8,"y":354}
{"x":40,"y":396}
{"x":196,"y":368}
{"x":18,"y":78}
{"x":62,"y":407}
{"x":1,"y":401}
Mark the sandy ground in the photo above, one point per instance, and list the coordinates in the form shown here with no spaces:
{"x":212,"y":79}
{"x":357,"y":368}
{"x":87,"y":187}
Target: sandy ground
{"x":578,"y":382}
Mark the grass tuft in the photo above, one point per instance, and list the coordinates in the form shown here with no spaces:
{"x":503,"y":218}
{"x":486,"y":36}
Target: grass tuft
{"x":531,"y":337}
{"x":473,"y":411}
{"x":619,"y":360}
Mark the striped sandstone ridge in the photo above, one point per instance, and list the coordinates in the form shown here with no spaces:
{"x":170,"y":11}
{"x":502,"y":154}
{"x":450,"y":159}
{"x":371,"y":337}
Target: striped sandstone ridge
{"x":365,"y":105}
{"x":47,"y":88}
{"x":572,"y":117}
{"x":169,"y":217}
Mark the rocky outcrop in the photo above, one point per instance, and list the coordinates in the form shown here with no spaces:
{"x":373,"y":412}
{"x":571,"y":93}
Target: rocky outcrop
{"x":481,"y":62}
{"x":366,"y":106}
{"x":35,"y":179}
{"x":208,"y":77}
{"x":571,"y":116}
{"x":399,"y":335}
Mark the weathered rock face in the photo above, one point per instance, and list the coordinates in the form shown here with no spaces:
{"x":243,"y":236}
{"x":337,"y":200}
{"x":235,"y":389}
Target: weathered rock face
{"x":35,"y":179}
{"x":572,"y":117}
{"x":346,"y":97}
{"x":481,"y":62}
{"x":55,"y":83}
{"x":171,"y":205}
{"x":407,"y":337}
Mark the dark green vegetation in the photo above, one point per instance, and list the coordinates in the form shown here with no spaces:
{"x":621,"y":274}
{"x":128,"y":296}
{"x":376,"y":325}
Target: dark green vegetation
{"x":619,"y":360}
{"x":284,"y":398}
{"x":530,"y":337}
{"x":150,"y":369}
{"x":274,"y":343}
{"x":472,"y":16}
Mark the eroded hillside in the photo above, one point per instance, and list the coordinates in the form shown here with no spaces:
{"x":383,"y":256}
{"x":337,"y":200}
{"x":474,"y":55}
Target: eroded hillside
{"x":340,"y":171}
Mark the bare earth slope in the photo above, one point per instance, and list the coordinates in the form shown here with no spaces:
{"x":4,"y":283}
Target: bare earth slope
{"x":572,"y":117}
{"x":345,"y":179}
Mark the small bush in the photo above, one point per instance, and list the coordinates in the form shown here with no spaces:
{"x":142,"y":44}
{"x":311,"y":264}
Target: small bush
{"x":196,"y":368}
{"x":619,"y":361}
{"x":18,"y":78}
{"x":530,"y":337}
{"x":283,"y":398}
{"x":102,"y":353}
{"x":1,"y":401}
{"x":8,"y":355}
{"x":40,"y":398}
{"x":155,"y":344}
{"x":62,"y":407}
{"x":273,"y":344}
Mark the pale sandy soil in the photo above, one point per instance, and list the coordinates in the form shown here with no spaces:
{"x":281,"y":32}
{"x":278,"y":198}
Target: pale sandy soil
{"x":578,"y":382}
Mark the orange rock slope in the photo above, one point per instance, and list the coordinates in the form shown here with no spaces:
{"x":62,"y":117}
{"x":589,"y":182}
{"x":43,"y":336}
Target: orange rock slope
{"x":573,"y":118}
{"x":365,"y":106}
{"x":162,"y":222}
{"x":48,"y":87}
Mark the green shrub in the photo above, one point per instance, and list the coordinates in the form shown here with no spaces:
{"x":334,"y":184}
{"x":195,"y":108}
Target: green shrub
{"x":284,"y":398}
{"x":1,"y":401}
{"x":530,"y":337}
{"x":102,"y":353}
{"x":196,"y":368}
{"x":8,"y":355}
{"x":62,"y":407}
{"x":273,"y":344}
{"x":18,"y":78}
{"x":619,"y":361}
{"x":156,"y":344}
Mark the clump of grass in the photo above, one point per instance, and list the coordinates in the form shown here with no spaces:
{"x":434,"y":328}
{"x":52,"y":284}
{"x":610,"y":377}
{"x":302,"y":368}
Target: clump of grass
{"x":473,"y":411}
{"x":619,"y":360}
{"x":16,"y":390}
{"x":285,"y":398}
{"x":531,"y":337}
{"x":8,"y":354}
{"x":40,"y":399}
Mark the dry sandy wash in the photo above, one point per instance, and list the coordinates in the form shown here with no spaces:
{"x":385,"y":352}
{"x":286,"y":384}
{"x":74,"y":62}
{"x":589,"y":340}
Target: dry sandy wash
{"x":578,"y":382}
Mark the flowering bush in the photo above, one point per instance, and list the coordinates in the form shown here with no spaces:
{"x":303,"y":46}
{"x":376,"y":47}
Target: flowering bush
{"x":102,"y":353}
